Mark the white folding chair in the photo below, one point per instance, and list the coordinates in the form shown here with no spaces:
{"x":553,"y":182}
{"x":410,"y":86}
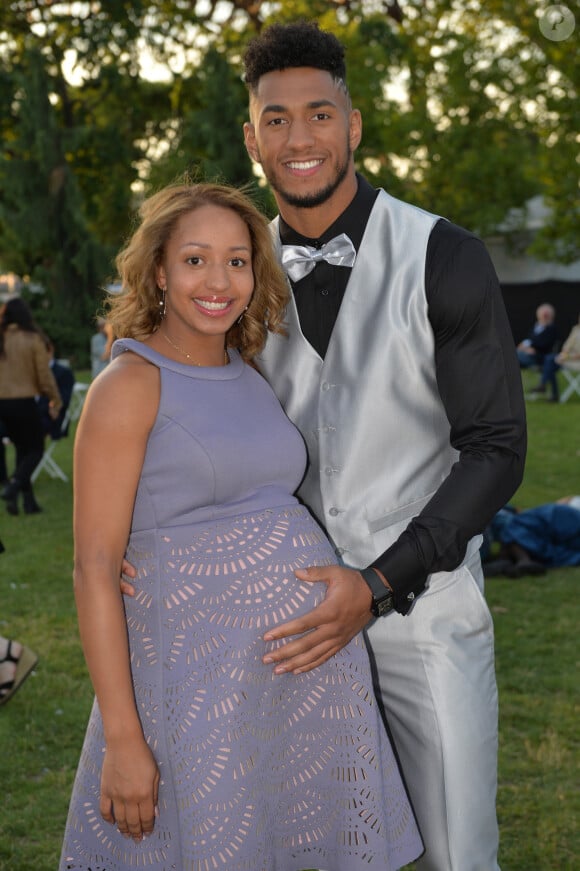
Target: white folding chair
{"x":48,"y":463}
{"x":77,"y":399}
{"x":572,"y":377}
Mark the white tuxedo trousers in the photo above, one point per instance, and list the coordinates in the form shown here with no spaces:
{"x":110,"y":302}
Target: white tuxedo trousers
{"x":436,"y":676}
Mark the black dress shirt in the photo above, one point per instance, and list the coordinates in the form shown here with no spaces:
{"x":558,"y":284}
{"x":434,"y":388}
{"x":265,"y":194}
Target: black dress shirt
{"x":479,"y":383}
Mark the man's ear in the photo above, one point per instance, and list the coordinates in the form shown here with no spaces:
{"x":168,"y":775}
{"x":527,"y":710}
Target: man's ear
{"x":250,"y":140}
{"x":355,"y":129}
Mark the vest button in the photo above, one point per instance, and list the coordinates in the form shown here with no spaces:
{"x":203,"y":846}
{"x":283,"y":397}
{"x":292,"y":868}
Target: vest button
{"x":333,"y":512}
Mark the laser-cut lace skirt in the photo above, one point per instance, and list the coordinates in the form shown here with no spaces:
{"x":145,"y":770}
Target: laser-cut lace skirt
{"x":258,"y":772}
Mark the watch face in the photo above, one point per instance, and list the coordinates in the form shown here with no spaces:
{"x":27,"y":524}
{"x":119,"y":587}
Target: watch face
{"x":383,"y":606}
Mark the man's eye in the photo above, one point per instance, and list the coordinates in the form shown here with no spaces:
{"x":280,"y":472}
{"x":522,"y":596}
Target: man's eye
{"x":194,"y":260}
{"x":321,"y":116}
{"x":276,"y":122}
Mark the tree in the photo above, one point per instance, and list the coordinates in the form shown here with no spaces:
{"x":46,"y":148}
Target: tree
{"x":43,"y":233}
{"x":532,"y":82}
{"x":71,"y":153}
{"x":468,"y":109}
{"x":207,"y":143}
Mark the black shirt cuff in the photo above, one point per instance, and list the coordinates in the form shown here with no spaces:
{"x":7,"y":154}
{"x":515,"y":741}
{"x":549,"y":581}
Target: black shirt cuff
{"x":406,"y":579}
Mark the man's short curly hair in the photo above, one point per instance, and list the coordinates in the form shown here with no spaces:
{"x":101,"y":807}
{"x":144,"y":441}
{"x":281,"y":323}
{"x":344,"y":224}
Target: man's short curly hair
{"x":299,"y":44}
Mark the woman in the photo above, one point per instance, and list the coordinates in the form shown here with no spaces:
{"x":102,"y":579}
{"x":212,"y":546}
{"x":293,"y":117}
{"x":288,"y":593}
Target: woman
{"x":197,"y":755}
{"x":24,"y":374}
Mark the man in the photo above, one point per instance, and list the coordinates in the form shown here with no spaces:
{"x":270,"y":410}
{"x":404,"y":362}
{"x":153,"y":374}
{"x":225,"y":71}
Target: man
{"x":535,"y":539}
{"x":399,"y":369}
{"x":541,"y":341}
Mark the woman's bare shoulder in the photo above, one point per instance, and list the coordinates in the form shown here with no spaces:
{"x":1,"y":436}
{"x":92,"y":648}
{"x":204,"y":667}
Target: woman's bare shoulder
{"x":128,"y":389}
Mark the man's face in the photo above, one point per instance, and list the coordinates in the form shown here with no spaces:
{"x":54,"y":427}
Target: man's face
{"x":303,"y":132}
{"x":544,"y":315}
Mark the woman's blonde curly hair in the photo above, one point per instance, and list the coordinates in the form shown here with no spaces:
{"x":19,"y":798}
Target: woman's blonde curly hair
{"x":136,"y":312}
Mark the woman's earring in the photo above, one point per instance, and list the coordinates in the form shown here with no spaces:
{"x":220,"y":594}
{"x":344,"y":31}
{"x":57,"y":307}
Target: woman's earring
{"x":239,"y":320}
{"x":162,"y":303}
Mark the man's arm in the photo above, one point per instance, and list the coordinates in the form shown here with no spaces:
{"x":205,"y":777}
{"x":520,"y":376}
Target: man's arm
{"x":481,"y":389}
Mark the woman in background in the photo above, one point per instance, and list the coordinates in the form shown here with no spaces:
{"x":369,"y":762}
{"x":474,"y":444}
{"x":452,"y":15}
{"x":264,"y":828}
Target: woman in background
{"x":24,"y":374}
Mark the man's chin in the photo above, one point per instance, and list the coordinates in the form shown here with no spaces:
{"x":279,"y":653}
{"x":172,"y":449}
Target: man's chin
{"x":312,"y":199}
{"x":305,"y":201}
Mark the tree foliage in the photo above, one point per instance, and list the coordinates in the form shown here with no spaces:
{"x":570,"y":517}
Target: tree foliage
{"x":473,"y":111}
{"x":468,"y":111}
{"x":43,"y":229}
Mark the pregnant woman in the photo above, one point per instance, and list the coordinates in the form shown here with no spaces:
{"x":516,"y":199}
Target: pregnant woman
{"x":197,"y":755}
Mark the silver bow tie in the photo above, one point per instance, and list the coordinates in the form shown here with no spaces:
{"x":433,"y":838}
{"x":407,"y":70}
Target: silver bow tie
{"x":299,"y":260}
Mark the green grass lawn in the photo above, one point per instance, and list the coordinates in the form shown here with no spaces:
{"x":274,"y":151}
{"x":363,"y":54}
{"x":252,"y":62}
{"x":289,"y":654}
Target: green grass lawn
{"x":537,"y":623}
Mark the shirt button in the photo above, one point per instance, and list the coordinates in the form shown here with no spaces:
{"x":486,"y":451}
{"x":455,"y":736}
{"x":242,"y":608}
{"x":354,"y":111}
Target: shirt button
{"x":340,"y":550}
{"x":324,"y":292}
{"x":325,"y":385}
{"x":333,"y":512}
{"x":328,"y":471}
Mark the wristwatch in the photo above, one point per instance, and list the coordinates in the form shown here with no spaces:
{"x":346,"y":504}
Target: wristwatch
{"x":382,"y":596}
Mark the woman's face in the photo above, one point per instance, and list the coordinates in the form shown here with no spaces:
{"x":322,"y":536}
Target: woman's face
{"x":207,"y":272}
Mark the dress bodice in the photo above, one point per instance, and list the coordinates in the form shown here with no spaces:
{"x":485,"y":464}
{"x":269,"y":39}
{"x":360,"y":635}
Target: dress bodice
{"x":221,"y":445}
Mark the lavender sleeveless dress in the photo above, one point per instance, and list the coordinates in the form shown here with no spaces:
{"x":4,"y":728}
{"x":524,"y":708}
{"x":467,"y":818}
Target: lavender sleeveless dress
{"x":258,"y":772}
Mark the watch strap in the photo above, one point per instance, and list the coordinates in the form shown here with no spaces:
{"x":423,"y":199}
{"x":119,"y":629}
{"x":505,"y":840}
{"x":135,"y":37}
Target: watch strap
{"x":382,"y":595}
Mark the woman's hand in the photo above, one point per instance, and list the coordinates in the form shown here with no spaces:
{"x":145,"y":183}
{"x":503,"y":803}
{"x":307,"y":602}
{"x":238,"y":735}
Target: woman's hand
{"x":53,"y":411}
{"x":129,"y":788}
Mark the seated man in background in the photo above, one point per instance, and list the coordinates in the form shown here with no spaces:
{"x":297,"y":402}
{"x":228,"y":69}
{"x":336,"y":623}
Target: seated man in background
{"x":541,"y":340}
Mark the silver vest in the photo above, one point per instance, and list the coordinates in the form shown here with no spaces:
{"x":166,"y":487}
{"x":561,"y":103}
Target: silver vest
{"x":370,"y":413}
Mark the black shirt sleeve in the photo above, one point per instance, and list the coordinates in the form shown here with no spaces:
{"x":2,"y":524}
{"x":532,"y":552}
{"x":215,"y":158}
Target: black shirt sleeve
{"x":480,"y":386}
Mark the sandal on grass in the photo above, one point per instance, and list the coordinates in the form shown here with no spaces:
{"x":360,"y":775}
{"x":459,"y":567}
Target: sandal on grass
{"x":24,"y":663}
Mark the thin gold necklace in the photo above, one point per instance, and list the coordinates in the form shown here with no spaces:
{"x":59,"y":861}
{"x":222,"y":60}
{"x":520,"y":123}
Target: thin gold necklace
{"x":189,"y":357}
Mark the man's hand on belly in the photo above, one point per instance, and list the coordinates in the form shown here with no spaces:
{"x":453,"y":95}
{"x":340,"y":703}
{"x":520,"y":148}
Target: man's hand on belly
{"x":328,"y":627}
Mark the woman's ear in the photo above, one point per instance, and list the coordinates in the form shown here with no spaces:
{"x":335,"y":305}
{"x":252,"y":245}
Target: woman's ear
{"x":160,"y":277}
